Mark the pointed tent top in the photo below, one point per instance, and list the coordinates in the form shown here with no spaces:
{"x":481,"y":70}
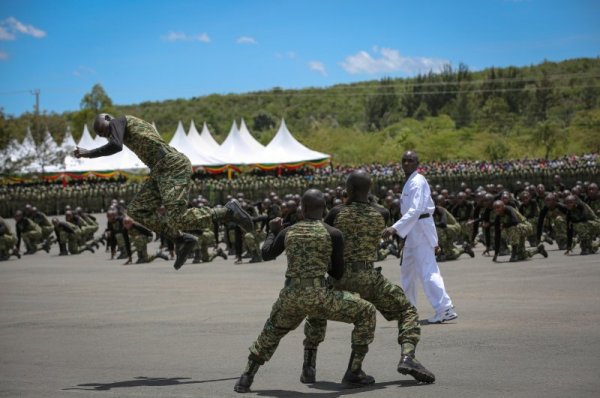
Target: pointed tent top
{"x":192,"y":129}
{"x":284,"y":148}
{"x":86,"y":141}
{"x":252,"y":143}
{"x":179,"y":139}
{"x":183,"y":144}
{"x":68,"y":142}
{"x":208,"y":138}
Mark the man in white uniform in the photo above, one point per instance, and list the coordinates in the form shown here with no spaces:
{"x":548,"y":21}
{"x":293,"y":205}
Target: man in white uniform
{"x":417,"y":228}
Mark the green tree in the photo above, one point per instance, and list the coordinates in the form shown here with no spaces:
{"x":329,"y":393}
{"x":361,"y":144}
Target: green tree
{"x":549,"y":134}
{"x":95,"y":102}
{"x":262,"y":121}
{"x":380,"y":106}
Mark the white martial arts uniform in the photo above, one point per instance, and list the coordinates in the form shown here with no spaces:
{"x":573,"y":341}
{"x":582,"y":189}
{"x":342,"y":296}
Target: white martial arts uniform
{"x":418,"y":260}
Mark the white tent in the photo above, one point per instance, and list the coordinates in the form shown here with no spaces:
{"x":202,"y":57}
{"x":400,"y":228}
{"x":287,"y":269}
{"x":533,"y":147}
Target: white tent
{"x":204,"y":142}
{"x":284,"y":148}
{"x":183,"y":144}
{"x":239,"y":148}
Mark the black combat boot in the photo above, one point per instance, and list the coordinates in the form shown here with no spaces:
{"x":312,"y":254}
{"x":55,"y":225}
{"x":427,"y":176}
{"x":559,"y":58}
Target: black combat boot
{"x":63,"y":249}
{"x":514,"y":255}
{"x":197,"y":258}
{"x":309,"y":367}
{"x":542,"y":250}
{"x":221,"y":253}
{"x":469,"y":250}
{"x":185,"y":243}
{"x":246,"y":379}
{"x":408,"y":365}
{"x":354,"y":376}
{"x":90,"y":248}
{"x":238,"y":215}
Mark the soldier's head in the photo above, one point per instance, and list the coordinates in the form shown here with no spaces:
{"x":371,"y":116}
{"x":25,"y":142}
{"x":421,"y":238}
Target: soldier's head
{"x":440,"y":201}
{"x":55,"y":221}
{"x":499,"y":207}
{"x":313,"y":204}
{"x":488,"y":200}
{"x":111,"y":215}
{"x":505,"y":197}
{"x":410,"y":162}
{"x":577,"y":190}
{"x":127,"y":222}
{"x":358,"y":185}
{"x":541,"y":189}
{"x":461,"y":197}
{"x":592,"y":190}
{"x":550,"y":200}
{"x":68,"y":215}
{"x":78,"y":210}
{"x":266,"y":203}
{"x":18,"y":215}
{"x":556,"y":179}
{"x":102,"y":124}
{"x":525,"y":197}
{"x":28,"y":209}
{"x":570,"y":201}
{"x":34,"y":210}
{"x":292,"y":206}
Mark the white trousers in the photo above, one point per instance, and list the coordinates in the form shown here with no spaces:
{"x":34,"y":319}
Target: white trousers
{"x":418,"y":264}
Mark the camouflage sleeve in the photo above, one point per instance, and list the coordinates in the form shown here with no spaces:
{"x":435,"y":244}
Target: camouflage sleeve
{"x":336,"y":267}
{"x":142,"y":229}
{"x":63,"y":225}
{"x":273,"y":245}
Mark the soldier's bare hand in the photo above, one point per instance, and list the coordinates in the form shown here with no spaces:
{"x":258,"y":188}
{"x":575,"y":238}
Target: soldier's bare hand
{"x":275,"y":225}
{"x":437,"y":250}
{"x":388,"y":232}
{"x":80,"y":152}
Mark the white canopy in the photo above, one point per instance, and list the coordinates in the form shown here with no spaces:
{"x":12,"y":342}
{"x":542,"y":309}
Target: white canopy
{"x":183,"y":144}
{"x":284,"y":148}
{"x":239,"y":148}
{"x":204,"y":142}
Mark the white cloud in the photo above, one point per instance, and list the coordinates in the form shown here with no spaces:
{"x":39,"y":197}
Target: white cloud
{"x":389,"y":60}
{"x":25,"y":29}
{"x":246,"y":40}
{"x":3,"y":56}
{"x":317,"y":67}
{"x":84,"y":71}
{"x":5,"y":34}
{"x":180,"y":36}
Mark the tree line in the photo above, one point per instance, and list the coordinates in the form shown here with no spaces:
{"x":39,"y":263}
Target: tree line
{"x":543,"y":110}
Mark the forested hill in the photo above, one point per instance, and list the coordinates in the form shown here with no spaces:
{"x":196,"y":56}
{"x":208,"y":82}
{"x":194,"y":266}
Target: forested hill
{"x":541,"y":110}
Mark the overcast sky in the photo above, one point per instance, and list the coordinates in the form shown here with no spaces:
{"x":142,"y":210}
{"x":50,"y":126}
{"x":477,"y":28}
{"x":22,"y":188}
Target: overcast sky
{"x":148,"y":50}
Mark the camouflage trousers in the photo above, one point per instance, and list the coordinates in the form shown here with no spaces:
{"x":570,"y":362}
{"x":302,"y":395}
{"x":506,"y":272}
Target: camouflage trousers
{"x":446,"y":238}
{"x":557,"y":228}
{"x":7,"y":243}
{"x":466,"y":231}
{"x":47,"y":232}
{"x":32,"y":239}
{"x":389,"y":299}
{"x":75,"y":241}
{"x":586,"y":232}
{"x":169,"y":185}
{"x":252,"y":244}
{"x":206,"y":240}
{"x":515,"y":236}
{"x":296,"y":303}
{"x":140,"y":245}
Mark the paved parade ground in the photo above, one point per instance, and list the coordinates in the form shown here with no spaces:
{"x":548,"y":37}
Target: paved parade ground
{"x":87,"y":326}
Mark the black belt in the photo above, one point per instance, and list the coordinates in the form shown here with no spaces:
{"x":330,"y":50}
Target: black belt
{"x":360,"y":265}
{"x":424,"y":215}
{"x":305,"y":282}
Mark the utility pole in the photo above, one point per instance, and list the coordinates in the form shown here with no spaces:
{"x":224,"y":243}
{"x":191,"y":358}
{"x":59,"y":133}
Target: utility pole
{"x":36,"y":107}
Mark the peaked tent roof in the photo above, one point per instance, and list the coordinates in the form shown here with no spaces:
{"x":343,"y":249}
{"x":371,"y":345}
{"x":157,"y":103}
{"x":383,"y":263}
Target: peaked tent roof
{"x":239,"y":148}
{"x":284,"y":148}
{"x":182,"y":143}
{"x":203,"y":143}
{"x":208,"y":138}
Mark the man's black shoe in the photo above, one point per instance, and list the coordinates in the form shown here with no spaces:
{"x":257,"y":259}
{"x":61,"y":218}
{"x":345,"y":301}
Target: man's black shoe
{"x":542,"y":250}
{"x":244,"y":383}
{"x":308,"y":375}
{"x":238,"y":215}
{"x":469,"y":250}
{"x":408,"y":365}
{"x":185,"y":245}
{"x":221,"y":253}
{"x":162,"y":255}
{"x":358,"y":379}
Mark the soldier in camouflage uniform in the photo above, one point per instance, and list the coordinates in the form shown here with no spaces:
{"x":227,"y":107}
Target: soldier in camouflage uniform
{"x":593,"y":198}
{"x":448,"y":230}
{"x":71,"y":235}
{"x":553,"y":220}
{"x":168,"y":184}
{"x":463,"y":212}
{"x":582,"y":222}
{"x":7,"y":242}
{"x":361,"y":225}
{"x":206,"y":239}
{"x":515,"y":229}
{"x":312,"y":248}
{"x":30,"y":232}
{"x":529,"y":208}
{"x":43,"y":221}
{"x":140,"y":236}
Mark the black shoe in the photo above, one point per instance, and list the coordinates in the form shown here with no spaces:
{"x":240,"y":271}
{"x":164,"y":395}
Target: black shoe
{"x":122,"y":256}
{"x":140,"y":261}
{"x":542,"y":250}
{"x":469,"y":250}
{"x":238,"y":215}
{"x":16,"y":254}
{"x":358,"y":379}
{"x":63,"y":253}
{"x":256,"y":259}
{"x":408,"y":365}
{"x":244,"y":383}
{"x":221,"y":253}
{"x":46,"y":247}
{"x":308,"y":375}
{"x":186,"y":244}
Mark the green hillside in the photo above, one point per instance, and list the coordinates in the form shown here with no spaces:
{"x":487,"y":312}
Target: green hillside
{"x":543,"y":110}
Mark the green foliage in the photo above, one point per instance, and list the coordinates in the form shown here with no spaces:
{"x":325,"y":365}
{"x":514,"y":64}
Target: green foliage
{"x":548,"y":109}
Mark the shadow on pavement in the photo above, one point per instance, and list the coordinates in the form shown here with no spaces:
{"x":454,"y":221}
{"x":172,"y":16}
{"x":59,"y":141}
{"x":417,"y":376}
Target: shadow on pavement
{"x":337,"y":389}
{"x":142,"y":381}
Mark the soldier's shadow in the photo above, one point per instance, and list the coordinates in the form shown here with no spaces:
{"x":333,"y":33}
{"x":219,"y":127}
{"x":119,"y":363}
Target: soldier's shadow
{"x":141,"y":381}
{"x":336,"y":389}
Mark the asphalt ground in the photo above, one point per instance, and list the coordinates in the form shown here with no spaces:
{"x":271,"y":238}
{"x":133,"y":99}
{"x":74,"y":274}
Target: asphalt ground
{"x":86,"y":326}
